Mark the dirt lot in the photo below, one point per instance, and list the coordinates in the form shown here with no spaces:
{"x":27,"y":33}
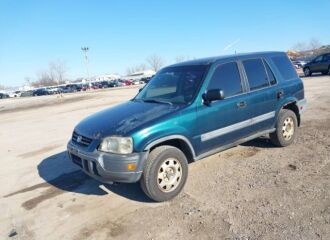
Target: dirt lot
{"x":253,"y":191}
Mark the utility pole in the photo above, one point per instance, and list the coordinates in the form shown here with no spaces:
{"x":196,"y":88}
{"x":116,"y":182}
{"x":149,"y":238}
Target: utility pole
{"x":85,"y":50}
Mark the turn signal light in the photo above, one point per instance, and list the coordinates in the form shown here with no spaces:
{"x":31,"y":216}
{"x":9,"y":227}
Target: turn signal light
{"x":131,"y":166}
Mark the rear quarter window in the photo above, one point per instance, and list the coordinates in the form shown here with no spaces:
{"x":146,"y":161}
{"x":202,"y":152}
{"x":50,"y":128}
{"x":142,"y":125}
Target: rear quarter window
{"x":285,"y":67}
{"x":256,"y":73}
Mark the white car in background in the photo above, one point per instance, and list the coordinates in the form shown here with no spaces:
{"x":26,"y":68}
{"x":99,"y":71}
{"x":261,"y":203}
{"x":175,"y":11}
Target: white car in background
{"x":15,"y":94}
{"x":136,"y":82}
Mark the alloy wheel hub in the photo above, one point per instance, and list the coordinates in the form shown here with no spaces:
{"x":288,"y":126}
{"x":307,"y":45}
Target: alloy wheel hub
{"x":288,"y":128}
{"x":169,"y":175}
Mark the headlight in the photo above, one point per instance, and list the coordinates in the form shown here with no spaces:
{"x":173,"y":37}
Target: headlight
{"x":121,"y":145}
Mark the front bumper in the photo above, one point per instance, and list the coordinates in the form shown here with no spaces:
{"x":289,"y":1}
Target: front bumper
{"x":302,"y":105}
{"x":107,"y":167}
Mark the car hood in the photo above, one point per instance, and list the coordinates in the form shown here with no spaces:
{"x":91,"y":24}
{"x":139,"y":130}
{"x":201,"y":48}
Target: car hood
{"x":122,"y":119}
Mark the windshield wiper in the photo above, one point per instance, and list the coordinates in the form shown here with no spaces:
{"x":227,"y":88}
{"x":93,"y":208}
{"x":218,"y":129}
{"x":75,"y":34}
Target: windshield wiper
{"x":155,"y":101}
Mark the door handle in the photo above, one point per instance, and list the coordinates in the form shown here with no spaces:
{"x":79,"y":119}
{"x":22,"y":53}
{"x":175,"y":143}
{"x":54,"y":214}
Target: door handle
{"x":241,"y":104}
{"x":280,"y":94}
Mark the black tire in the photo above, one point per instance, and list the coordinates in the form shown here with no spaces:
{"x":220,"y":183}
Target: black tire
{"x":150,"y":181}
{"x":329,"y":70}
{"x":307,"y":72}
{"x":281,"y":137}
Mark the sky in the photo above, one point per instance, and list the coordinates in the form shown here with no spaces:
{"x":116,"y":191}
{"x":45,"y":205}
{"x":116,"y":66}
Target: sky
{"x":123,"y":33}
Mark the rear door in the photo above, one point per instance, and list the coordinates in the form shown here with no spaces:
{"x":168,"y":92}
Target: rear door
{"x":317,"y":64}
{"x":263,"y":93}
{"x":324,"y":66}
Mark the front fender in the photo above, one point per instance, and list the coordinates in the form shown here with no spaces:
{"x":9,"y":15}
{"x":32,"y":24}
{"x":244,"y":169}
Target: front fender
{"x":146,"y":138}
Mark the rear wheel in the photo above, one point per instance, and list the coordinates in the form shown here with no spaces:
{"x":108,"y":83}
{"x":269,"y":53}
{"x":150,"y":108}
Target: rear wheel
{"x":165,"y":173}
{"x":307,"y":72}
{"x":286,"y":128}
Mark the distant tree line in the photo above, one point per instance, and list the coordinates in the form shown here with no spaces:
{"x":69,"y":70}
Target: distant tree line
{"x":313,"y":46}
{"x":57,"y":71}
{"x":55,"y":74}
{"x":155,"y":63}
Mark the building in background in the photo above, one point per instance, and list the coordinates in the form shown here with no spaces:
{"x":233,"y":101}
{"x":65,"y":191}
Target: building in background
{"x":106,"y":77}
{"x":139,"y":75}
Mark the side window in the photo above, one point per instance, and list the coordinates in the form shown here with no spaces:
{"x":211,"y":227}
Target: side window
{"x":256,"y":73}
{"x":270,"y":74}
{"x":227,"y":78}
{"x":285,"y":67}
{"x":327,"y":57}
{"x":318,"y":59}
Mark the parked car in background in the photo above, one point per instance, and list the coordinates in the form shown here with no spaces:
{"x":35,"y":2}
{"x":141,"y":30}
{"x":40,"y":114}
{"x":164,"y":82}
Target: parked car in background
{"x":299,"y":63}
{"x":121,"y":83}
{"x":136,"y":82}
{"x":104,"y":84}
{"x":128,"y":82}
{"x":187,"y":112}
{"x":320,"y":64}
{"x":146,"y":79}
{"x":74,"y":87}
{"x":14,"y":94}
{"x":40,"y":92}
{"x":4,"y":95}
{"x":84,"y":87}
{"x":95,"y":85}
{"x":27,"y":93}
{"x":114,"y":83}
{"x":66,"y":89}
{"x":53,"y":90}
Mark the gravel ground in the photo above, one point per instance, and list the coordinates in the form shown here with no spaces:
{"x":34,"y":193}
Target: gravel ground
{"x":253,"y":191}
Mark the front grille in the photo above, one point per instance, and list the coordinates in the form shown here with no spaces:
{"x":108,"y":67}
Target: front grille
{"x":89,"y":166}
{"x":77,"y":160}
{"x":81,"y":140}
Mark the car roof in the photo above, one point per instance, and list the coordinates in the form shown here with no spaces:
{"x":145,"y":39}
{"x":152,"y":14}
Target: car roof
{"x":210,"y":60}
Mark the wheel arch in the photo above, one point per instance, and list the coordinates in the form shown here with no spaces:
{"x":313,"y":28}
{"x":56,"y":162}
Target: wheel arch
{"x":178,"y":141}
{"x":292,"y":105}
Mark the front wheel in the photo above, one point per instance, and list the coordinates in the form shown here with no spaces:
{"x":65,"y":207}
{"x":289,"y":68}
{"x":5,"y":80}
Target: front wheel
{"x":286,"y":128}
{"x":165,"y":173}
{"x":307,"y":72}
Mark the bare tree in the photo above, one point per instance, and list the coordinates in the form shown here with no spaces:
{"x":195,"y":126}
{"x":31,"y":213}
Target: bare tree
{"x":314,"y":44}
{"x":57,"y":71}
{"x":27,"y":81}
{"x":182,"y":58}
{"x":299,"y":47}
{"x":155,"y":62}
{"x":2,"y":87}
{"x":43,"y":79}
{"x":55,"y":74}
{"x":136,"y":68}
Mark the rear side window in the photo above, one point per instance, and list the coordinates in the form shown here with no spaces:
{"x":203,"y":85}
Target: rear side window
{"x":285,"y":67}
{"x":227,"y":78}
{"x":270,"y":74}
{"x":256,"y":74}
{"x":318,"y":59}
{"x":327,"y":57}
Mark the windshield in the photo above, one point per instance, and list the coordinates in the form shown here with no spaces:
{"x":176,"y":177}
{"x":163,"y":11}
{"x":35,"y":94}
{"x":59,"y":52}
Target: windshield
{"x":174,"y":85}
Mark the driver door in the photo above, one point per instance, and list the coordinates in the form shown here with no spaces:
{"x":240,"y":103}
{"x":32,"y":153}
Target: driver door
{"x":222,"y":122}
{"x":317,"y":64}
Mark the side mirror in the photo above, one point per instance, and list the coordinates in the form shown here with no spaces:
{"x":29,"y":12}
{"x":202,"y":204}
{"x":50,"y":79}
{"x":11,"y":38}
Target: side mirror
{"x":140,"y":89}
{"x":213,"y":95}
